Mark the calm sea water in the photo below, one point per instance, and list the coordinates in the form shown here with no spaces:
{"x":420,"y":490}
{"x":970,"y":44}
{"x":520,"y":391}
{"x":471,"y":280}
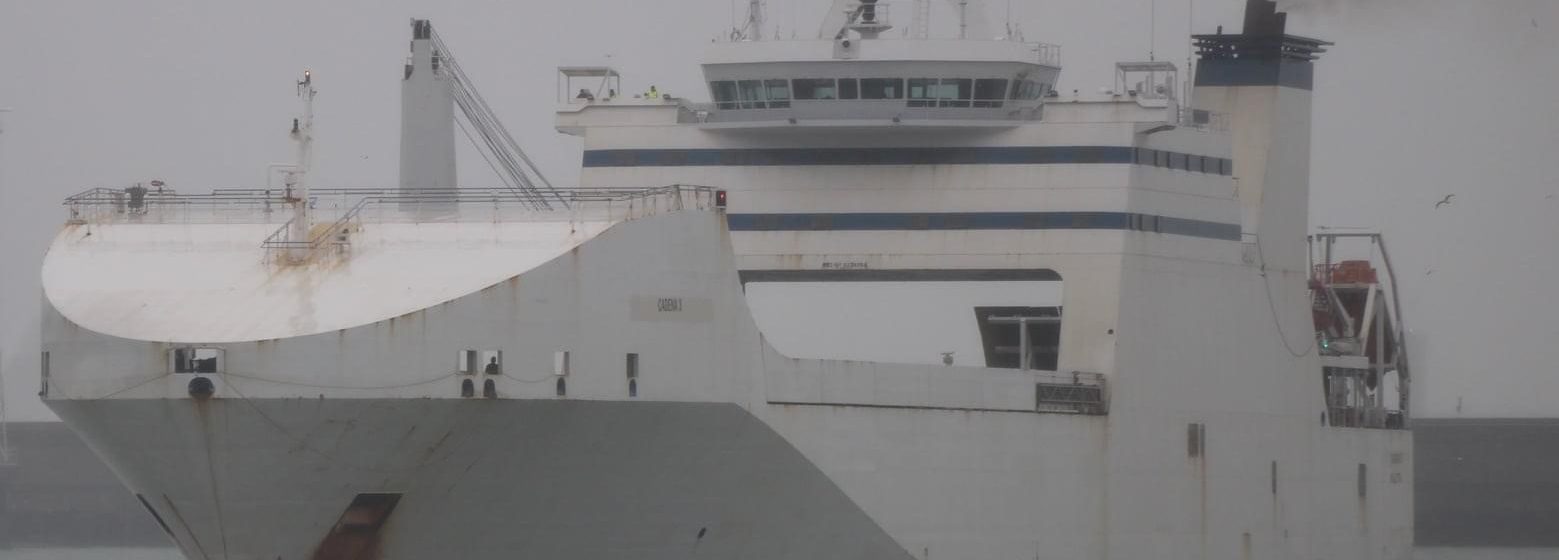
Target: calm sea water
{"x":169,"y":554}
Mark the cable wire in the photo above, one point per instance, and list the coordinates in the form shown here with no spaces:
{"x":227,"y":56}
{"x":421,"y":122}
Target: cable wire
{"x":1273,"y":307}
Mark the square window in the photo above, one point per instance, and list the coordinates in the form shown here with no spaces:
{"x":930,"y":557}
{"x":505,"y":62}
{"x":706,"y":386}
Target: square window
{"x":492,"y":362}
{"x":197,"y":360}
{"x":465,"y":362}
{"x":1001,"y":335}
{"x":560,"y":363}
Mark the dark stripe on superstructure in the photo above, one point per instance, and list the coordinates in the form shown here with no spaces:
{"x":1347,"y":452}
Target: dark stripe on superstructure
{"x":902,"y":275}
{"x":910,"y":407}
{"x":1233,"y":73}
{"x":1121,"y":221}
{"x":989,"y":155}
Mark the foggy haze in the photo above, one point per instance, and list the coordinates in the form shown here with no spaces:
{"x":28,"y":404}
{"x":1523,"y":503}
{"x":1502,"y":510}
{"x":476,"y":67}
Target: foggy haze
{"x":1419,"y":99}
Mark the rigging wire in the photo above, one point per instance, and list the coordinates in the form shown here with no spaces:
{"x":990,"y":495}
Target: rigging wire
{"x":1273,"y":307}
{"x":302,"y":443}
{"x":518,"y":171}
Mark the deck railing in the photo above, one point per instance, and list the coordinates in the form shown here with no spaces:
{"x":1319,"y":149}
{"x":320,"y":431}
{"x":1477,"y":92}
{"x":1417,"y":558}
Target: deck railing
{"x":1075,"y":393}
{"x":346,"y":210}
{"x":380,"y":205}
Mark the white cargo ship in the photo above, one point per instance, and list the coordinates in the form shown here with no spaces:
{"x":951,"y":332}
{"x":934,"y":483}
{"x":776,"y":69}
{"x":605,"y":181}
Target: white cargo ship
{"x":921,"y":305}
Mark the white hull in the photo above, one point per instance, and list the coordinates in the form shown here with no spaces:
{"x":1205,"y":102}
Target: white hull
{"x":870,"y":460}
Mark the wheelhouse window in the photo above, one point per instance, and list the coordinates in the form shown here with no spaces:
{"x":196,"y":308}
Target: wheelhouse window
{"x":849,"y":88}
{"x":778,"y":93}
{"x":989,"y":93}
{"x":752,"y":94}
{"x":882,"y":88}
{"x":955,"y":92}
{"x":197,"y":360}
{"x":815,"y":88}
{"x":724,"y":94}
{"x":944,"y":92}
{"x":1028,"y":89}
{"x":922,"y":92}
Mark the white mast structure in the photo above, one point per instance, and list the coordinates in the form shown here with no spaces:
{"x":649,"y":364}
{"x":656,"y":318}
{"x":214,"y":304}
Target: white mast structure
{"x":963,"y":19}
{"x":297,"y":184}
{"x":429,"y":89}
{"x":752,"y":30}
{"x":920,"y":26}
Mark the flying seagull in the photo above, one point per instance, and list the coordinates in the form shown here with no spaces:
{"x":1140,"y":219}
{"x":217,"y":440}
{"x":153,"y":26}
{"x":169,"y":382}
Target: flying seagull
{"x":1444,"y":201}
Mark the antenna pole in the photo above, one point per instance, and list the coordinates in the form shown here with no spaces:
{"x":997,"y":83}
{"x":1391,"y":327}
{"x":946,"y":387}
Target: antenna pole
{"x":1190,"y":56}
{"x":963,"y":19}
{"x":1009,"y":19}
{"x":920,"y":28}
{"x":1152,"y":28}
{"x":753,"y":31}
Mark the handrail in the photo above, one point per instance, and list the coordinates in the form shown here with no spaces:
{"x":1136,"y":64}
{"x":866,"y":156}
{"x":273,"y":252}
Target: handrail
{"x":279,"y":239}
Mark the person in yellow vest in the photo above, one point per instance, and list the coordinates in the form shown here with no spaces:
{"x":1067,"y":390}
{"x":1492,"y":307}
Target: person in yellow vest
{"x":653,"y":94}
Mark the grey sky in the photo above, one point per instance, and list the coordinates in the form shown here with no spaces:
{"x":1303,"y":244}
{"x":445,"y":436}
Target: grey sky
{"x":1420,"y":98}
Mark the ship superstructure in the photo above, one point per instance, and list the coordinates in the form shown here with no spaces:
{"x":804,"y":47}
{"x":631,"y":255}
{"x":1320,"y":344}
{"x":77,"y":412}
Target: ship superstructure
{"x":923,"y":306}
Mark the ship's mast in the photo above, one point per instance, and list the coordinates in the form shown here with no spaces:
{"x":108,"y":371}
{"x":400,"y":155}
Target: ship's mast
{"x":963,"y":19}
{"x":297,"y":183}
{"x":920,"y":27}
{"x":752,"y":29}
{"x":755,"y":19}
